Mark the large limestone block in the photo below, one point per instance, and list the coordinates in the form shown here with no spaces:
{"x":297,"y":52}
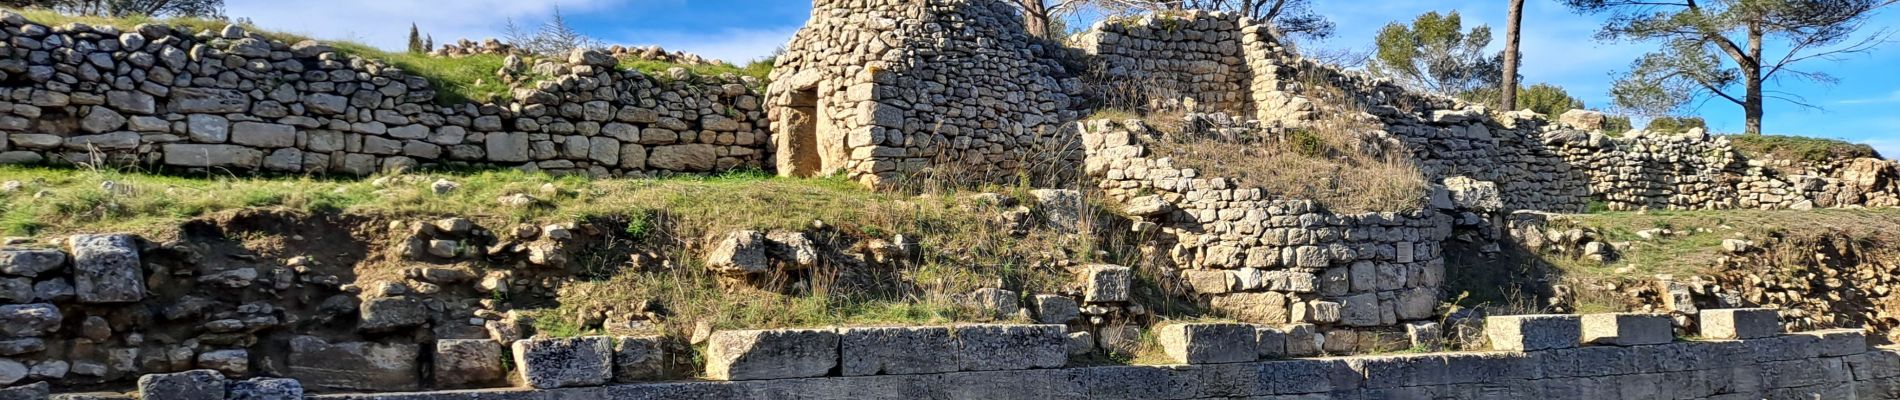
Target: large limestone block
{"x":641,"y":359}
{"x":898,"y":351}
{"x":565,"y":362}
{"x":1055,"y":309}
{"x":28,"y":320}
{"x":740,"y":253}
{"x":1107,"y":283}
{"x":771,"y":354}
{"x":1270,"y":342}
{"x":1533,"y":332}
{"x":30,"y":262}
{"x":212,"y":155}
{"x":201,"y":384}
{"x":1011,"y":347}
{"x":106,"y":269}
{"x":1261,"y":308}
{"x":1210,"y":343}
{"x":467,"y":363}
{"x":210,"y":101}
{"x":392,"y":313}
{"x":695,"y":157}
{"x":1628,"y":329}
{"x":355,"y":366}
{"x":266,"y":389}
{"x":1740,"y":323}
{"x":258,"y":134}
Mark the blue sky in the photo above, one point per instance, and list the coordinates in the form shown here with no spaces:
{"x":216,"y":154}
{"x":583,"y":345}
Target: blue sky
{"x":1559,"y":46}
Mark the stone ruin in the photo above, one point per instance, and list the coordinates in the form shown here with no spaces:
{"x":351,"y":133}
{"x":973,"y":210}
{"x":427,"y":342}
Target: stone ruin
{"x":888,"y":93}
{"x":887,"y":90}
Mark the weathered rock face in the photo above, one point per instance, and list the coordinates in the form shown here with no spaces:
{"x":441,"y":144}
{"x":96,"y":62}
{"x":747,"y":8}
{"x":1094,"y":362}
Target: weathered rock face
{"x":970,"y":92}
{"x":199,"y":384}
{"x":570,"y":362}
{"x":771,"y":354}
{"x":897,"y":351}
{"x":468,"y":363}
{"x":106,"y":269}
{"x":355,"y":366}
{"x":245,"y":102}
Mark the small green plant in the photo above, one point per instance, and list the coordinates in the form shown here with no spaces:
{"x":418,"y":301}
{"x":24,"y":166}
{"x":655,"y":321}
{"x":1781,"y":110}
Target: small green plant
{"x":639,"y":225}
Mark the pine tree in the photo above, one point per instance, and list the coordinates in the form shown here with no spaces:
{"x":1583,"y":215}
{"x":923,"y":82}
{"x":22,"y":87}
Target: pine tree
{"x":428,"y":43}
{"x":415,"y":40}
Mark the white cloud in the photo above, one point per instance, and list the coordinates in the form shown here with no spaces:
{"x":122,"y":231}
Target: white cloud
{"x":1889,"y":98}
{"x":385,"y":23}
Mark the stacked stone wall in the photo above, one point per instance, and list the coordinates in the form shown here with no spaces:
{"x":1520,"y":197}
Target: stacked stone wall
{"x":166,"y":96}
{"x":1263,"y":258}
{"x":1829,"y":365}
{"x":952,"y":90}
{"x":1697,"y":171}
{"x":1157,"y":61}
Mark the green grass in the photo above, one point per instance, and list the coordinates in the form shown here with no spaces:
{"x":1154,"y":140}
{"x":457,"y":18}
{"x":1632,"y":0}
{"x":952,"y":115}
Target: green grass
{"x":1696,"y":247}
{"x":1799,"y":148}
{"x":757,"y":69}
{"x":961,"y":249}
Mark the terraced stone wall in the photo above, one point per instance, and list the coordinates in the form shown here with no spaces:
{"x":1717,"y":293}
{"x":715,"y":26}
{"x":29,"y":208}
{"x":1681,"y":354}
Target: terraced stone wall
{"x":1272,"y":260}
{"x":237,"y":100}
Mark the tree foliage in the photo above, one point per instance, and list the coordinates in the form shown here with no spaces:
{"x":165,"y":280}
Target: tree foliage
{"x":1436,"y":54}
{"x":415,"y":40}
{"x":123,"y":8}
{"x":1720,"y":49}
{"x":553,"y":38}
{"x":1676,"y":124}
{"x":1294,"y":18}
{"x":1043,"y":17}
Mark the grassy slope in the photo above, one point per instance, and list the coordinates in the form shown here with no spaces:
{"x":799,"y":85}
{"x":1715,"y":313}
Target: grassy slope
{"x":457,"y":80}
{"x":1693,"y":251}
{"x":963,"y":249}
{"x":1800,"y":148}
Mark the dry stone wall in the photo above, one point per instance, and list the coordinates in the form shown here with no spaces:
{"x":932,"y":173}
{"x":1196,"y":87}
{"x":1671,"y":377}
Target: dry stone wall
{"x":880,"y":90}
{"x":159,"y":95}
{"x":1266,"y":259}
{"x":1829,"y":365}
{"x":1698,"y":171}
{"x":1157,"y":61}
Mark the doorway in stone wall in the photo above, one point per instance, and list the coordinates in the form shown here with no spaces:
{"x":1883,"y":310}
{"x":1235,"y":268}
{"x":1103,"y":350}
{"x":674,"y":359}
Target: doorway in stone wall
{"x":798,"y":154}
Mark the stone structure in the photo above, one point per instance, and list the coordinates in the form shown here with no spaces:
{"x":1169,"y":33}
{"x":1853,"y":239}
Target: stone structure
{"x":1271,"y":260}
{"x":883,"y":90}
{"x":159,"y":95}
{"x":1829,"y":364}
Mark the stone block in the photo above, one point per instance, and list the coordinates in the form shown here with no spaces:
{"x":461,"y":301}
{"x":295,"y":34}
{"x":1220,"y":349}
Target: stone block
{"x":1740,"y":323}
{"x":642,"y":359}
{"x":212,"y":155}
{"x":1055,"y":309}
{"x":1628,"y":329}
{"x":30,"y":262}
{"x":564,"y":362}
{"x":1533,"y":332}
{"x":201,"y":384}
{"x":1270,"y":343}
{"x":1011,"y":347}
{"x":29,"y":320}
{"x":257,"y":134}
{"x":355,"y":366}
{"x":392,"y":313}
{"x":266,"y":389}
{"x":33,"y":391}
{"x":898,"y":351}
{"x":106,"y":268}
{"x":468,"y":363}
{"x":1106,"y":283}
{"x":1211,"y":343}
{"x":771,"y":354}
{"x":1303,"y":340}
{"x":1260,"y":308}
{"x":1838,"y":342}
